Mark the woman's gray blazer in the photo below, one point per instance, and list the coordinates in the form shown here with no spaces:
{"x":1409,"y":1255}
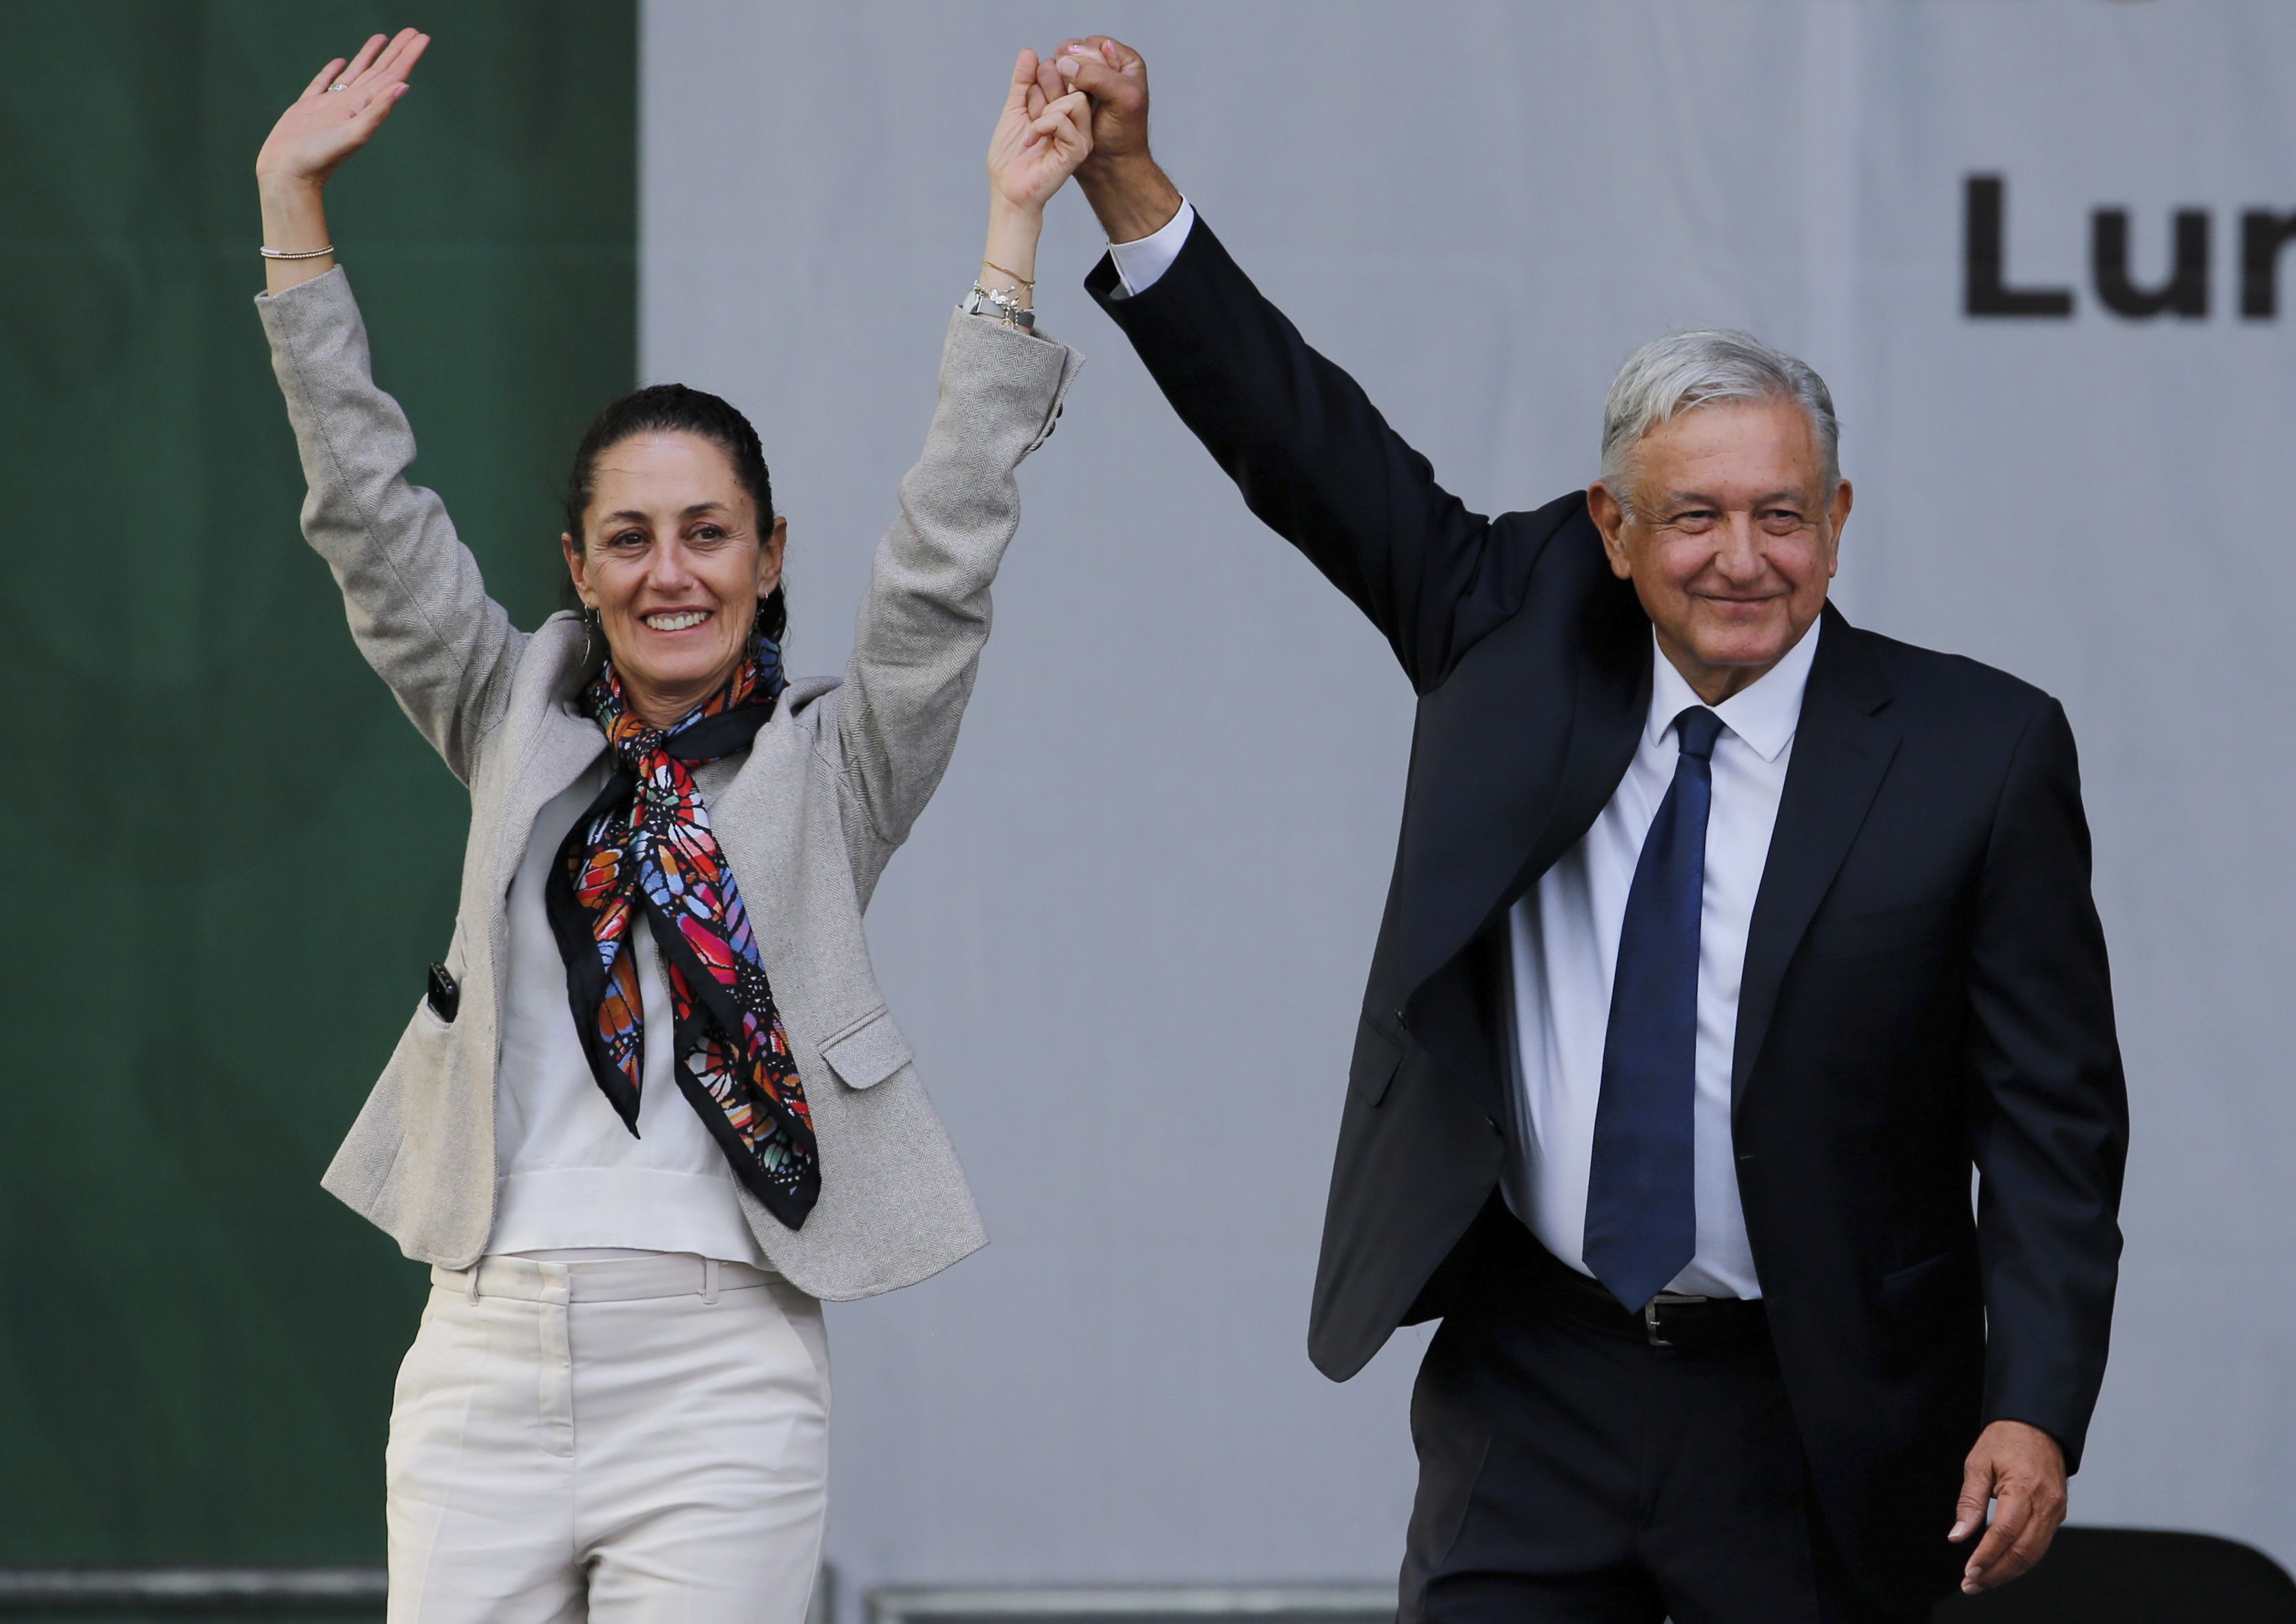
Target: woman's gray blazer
{"x":827,"y":791}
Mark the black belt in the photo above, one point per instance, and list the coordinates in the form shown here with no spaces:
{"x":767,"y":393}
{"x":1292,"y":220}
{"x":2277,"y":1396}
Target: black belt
{"x":1669,"y":1320}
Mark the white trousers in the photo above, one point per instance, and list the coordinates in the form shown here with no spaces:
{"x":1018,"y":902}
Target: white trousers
{"x":640,"y":1440}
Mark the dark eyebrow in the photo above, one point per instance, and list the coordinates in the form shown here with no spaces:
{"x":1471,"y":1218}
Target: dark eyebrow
{"x":698,"y":509}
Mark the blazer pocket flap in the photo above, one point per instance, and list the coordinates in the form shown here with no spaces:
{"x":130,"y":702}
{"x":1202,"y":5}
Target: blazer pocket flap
{"x":1924,"y":1290}
{"x":1878,"y":929}
{"x":867,"y":1053}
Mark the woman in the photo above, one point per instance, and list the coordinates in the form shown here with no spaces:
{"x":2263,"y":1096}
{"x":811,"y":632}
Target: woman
{"x":652,"y":1108}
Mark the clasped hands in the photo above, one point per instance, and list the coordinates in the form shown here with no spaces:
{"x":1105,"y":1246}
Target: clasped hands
{"x":1128,"y":191}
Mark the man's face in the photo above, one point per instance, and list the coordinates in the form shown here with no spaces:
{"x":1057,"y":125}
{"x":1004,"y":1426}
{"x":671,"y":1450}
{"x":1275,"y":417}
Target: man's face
{"x":1729,"y":535}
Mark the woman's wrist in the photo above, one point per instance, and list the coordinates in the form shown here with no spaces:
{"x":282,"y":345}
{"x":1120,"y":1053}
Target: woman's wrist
{"x":1009,"y":258}
{"x":291,"y":203}
{"x":295,"y":222}
{"x":290,"y":194}
{"x":282,"y":179}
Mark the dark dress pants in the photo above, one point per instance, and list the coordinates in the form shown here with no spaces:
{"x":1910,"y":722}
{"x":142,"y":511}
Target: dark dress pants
{"x":1569,"y":1469}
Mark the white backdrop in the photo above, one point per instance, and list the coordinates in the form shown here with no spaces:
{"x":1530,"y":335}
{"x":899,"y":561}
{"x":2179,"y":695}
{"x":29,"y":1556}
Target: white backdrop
{"x":1129,"y":937}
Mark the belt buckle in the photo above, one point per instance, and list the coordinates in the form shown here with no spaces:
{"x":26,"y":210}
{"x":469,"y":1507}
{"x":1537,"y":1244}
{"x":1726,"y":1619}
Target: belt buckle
{"x":1651,"y":1325}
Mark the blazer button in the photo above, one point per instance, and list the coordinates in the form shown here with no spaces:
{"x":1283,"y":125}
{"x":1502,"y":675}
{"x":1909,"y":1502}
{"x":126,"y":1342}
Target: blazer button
{"x":1403,"y":1020}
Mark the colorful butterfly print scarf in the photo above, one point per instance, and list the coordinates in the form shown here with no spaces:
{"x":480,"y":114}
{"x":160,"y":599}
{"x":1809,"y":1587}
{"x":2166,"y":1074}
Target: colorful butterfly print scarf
{"x":644,"y":846}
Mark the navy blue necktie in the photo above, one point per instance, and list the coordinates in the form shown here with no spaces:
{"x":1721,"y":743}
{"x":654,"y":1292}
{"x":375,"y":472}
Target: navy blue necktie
{"x":1642,"y":1195}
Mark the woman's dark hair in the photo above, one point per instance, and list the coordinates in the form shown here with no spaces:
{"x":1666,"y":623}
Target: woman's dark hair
{"x":667,"y":407}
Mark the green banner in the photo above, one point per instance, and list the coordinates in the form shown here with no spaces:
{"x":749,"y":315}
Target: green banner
{"x":230,"y":856}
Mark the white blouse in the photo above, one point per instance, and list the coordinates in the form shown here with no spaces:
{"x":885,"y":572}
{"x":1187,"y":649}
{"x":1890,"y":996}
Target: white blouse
{"x":569,"y":1177}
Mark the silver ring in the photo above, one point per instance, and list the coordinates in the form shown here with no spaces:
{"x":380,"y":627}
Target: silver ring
{"x":339,"y":85}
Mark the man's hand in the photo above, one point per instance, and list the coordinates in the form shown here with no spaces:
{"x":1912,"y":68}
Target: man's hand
{"x":1116,"y":78}
{"x":1129,"y":193}
{"x":2020,"y":1469}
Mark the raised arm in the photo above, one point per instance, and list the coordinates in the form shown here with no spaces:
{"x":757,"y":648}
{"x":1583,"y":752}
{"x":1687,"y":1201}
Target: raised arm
{"x":411,"y":590}
{"x":1314,"y":458}
{"x":926,"y":615}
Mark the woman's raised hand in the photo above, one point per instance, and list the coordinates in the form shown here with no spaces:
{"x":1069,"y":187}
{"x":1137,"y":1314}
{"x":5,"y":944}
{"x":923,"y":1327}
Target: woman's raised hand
{"x":339,"y":110}
{"x":336,"y":115}
{"x":1030,"y":155}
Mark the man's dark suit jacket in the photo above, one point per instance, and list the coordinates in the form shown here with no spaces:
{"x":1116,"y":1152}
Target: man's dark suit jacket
{"x":1926,"y":984}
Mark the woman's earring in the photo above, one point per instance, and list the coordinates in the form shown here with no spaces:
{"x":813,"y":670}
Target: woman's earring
{"x":589,"y":630}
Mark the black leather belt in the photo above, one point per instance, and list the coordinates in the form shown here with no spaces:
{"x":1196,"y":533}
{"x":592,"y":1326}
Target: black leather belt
{"x":1669,"y":1320}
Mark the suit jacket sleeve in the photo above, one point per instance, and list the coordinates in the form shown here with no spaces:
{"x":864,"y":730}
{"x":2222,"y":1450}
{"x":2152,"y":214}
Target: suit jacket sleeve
{"x":411,"y":589}
{"x":925,"y":617}
{"x":2050,"y":1115}
{"x":1314,"y":458}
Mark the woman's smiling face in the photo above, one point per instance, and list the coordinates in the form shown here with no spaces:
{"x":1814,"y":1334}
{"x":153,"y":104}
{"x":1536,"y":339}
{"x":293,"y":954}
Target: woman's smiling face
{"x":673,"y":559}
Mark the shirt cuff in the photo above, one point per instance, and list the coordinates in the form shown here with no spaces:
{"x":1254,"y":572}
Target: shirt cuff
{"x":1140,"y":263}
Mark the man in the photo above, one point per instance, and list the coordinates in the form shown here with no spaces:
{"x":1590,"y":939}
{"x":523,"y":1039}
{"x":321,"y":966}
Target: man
{"x":1724,"y":939}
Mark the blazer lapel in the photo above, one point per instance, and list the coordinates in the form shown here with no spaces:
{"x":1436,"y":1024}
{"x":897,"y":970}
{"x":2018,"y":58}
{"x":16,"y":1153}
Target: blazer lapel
{"x":1606,"y":725}
{"x":564,"y":745}
{"x":1842,"y":750}
{"x":1490,"y":814}
{"x":758,"y":816}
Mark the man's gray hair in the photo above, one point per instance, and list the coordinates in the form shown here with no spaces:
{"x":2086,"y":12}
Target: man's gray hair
{"x":1668,"y":376}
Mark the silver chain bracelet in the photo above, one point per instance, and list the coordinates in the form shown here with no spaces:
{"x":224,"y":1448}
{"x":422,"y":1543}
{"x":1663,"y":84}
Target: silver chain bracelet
{"x":1004,"y":302}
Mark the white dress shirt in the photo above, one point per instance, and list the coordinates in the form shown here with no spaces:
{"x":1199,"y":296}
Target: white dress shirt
{"x":1139,"y":263}
{"x":1563,"y":938}
{"x":569,"y":1177}
{"x":1563,"y":941}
